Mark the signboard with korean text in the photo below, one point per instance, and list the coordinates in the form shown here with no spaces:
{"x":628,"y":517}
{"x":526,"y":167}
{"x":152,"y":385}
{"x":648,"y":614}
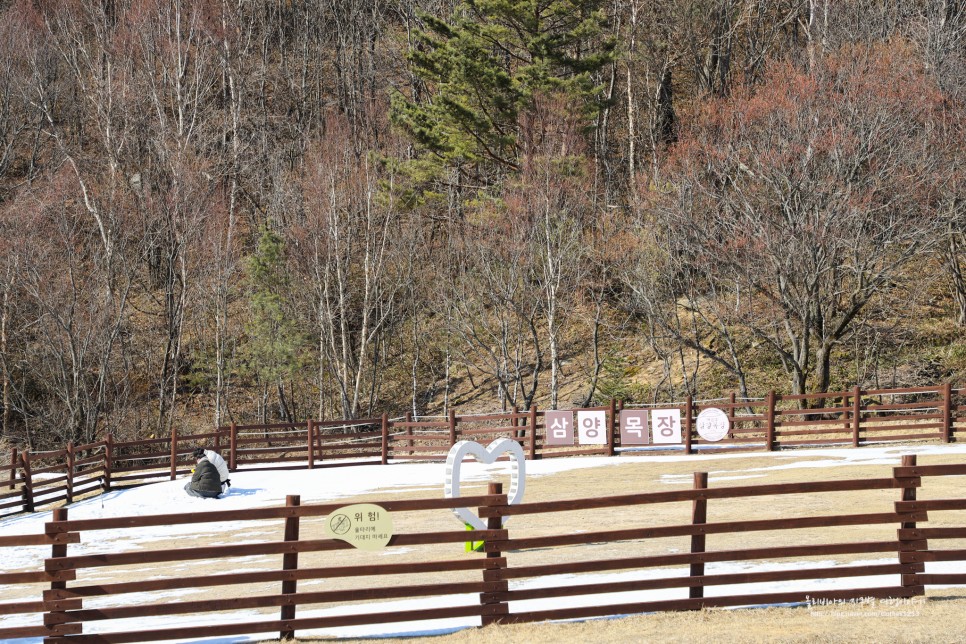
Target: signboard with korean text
{"x":559,"y":427}
{"x":364,"y":525}
{"x":666,"y":425}
{"x":712,"y":424}
{"x":634,"y":427}
{"x":592,"y":427}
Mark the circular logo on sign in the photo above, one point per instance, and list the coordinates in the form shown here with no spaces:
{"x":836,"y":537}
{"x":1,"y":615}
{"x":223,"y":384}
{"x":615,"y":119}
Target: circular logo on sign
{"x":340,"y":524}
{"x":713,"y":424}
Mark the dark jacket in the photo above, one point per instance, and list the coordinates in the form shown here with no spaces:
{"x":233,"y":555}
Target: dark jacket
{"x":205,"y":481}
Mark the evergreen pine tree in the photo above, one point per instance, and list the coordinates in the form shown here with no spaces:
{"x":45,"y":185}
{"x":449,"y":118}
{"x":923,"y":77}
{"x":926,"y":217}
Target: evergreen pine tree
{"x":273,"y":347}
{"x":484,"y":69}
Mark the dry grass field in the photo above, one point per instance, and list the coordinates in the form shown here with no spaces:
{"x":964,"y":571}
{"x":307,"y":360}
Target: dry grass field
{"x":939,"y":617}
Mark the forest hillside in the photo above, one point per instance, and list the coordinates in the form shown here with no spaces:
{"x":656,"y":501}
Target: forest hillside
{"x":217,"y":210}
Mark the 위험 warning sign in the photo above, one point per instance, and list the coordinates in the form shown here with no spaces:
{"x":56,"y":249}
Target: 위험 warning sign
{"x":364,"y":525}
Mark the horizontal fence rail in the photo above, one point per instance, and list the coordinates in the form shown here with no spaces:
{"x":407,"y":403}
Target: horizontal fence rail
{"x":844,"y":418}
{"x":608,"y":557}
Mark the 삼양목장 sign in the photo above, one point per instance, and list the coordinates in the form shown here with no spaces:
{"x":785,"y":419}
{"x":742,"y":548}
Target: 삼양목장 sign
{"x":666,"y":425}
{"x":634,"y":427}
{"x":592,"y":427}
{"x":559,"y":427}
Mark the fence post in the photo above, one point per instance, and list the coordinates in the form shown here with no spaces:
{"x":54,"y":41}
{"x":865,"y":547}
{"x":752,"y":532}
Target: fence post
{"x":845,"y":413}
{"x":911,"y":541}
{"x":513,"y":421}
{"x":493,"y":599}
{"x":699,"y":516}
{"x":70,"y":472}
{"x":617,"y":427}
{"x":108,"y":461}
{"x":688,"y":424}
{"x":385,"y":438}
{"x":533,"y":432}
{"x":770,"y":422}
{"x":731,"y":410}
{"x":55,"y":604}
{"x":856,"y":415}
{"x":233,"y":448}
{"x":611,"y":427}
{"x":409,"y":432}
{"x":174,"y":451}
{"x":318,"y":439}
{"x":310,"y":444}
{"x":290,"y":561}
{"x":28,"y":483}
{"x":13,"y":467}
{"x":947,"y":412}
{"x":452,"y":427}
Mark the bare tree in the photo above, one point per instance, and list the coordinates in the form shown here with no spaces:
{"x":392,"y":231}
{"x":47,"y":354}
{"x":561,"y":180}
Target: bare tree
{"x":75,"y":53}
{"x":347,"y":249}
{"x":176,"y":64}
{"x":553,"y":199}
{"x":952,"y":251}
{"x":608,"y":245}
{"x":806,"y":198}
{"x":73,"y":327}
{"x":496,"y":315}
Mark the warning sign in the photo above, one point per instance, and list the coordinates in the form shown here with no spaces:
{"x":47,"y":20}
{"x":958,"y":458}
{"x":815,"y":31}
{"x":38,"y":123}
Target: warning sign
{"x":365,"y":525}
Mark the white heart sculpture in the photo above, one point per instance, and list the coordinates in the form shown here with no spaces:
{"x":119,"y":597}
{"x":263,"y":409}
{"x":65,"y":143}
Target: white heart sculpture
{"x":493,"y":451}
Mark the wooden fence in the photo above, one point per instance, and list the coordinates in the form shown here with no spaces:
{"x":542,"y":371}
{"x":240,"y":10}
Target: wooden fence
{"x":83,"y":589}
{"x":856,"y":418}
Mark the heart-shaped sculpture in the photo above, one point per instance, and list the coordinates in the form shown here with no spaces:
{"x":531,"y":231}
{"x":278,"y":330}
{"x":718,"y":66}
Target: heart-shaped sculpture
{"x":486,"y":455}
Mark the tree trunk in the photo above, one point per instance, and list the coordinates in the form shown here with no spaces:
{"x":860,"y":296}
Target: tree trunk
{"x":951,"y":253}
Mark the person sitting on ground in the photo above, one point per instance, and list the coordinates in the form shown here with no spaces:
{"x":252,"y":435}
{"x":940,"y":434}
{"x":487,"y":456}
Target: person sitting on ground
{"x":215,"y":459}
{"x":205,"y":482}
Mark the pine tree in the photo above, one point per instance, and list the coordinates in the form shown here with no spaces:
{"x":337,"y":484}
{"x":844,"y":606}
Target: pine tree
{"x":273,"y":348}
{"x":484,"y":69}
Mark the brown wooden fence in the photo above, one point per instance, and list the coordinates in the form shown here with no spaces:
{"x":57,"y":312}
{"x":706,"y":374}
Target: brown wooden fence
{"x":44,"y":478}
{"x":84,"y":592}
{"x":856,"y":418}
